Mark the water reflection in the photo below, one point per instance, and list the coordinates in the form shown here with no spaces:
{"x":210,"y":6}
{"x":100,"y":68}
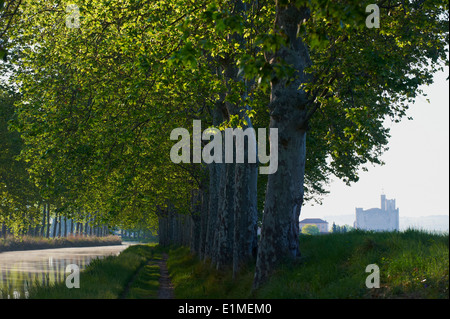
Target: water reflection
{"x":21,"y":269}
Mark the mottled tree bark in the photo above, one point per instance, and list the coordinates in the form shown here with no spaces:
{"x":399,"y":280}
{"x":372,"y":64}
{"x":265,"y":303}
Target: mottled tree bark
{"x":203,"y":223}
{"x":225,"y":220}
{"x":86,"y":225}
{"x":245,"y":215}
{"x":242,"y":177}
{"x":284,"y":195}
{"x":43,"y":222}
{"x":55,"y":225}
{"x":215,"y":174}
{"x":195,"y":225}
{"x":48,"y":220}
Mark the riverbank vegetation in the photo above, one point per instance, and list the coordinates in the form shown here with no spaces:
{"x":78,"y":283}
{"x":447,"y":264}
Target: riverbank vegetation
{"x":107,"y":278}
{"x":412,"y":264}
{"x":11,"y":243}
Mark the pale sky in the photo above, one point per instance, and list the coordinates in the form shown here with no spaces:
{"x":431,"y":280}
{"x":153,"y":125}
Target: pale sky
{"x":416,"y":172}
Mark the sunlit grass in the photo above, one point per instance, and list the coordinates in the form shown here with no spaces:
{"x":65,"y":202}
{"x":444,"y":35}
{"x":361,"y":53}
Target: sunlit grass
{"x":145,"y":284}
{"x":413,"y":264}
{"x":193,"y":278}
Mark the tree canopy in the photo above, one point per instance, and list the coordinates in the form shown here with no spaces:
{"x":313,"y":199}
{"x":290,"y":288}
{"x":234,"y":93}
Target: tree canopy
{"x":99,"y":85}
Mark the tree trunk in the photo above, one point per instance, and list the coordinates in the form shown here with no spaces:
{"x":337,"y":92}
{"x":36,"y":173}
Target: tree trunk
{"x":71,"y":226}
{"x":48,"y":221}
{"x":86,"y":225}
{"x":195,"y":224}
{"x":214,"y":197}
{"x":241,"y":177}
{"x":170,"y":227}
{"x":64,"y":229}
{"x":245,"y":215}
{"x":203,"y":223}
{"x":60,"y":229}
{"x":162,"y":231}
{"x":284,"y":195}
{"x":55,"y":224}
{"x":43,"y":222}
{"x":225,"y":218}
{"x":215,"y":173}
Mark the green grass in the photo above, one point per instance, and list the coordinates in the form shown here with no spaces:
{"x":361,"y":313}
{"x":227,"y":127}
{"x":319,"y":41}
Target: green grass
{"x":103,"y":278}
{"x":413,"y":264}
{"x":194,"y":279}
{"x":146,"y":283}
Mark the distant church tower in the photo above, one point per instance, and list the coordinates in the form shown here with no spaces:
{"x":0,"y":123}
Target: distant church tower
{"x":378,"y":219}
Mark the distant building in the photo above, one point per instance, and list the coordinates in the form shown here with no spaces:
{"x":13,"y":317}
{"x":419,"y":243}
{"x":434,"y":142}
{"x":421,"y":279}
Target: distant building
{"x":378,"y":219}
{"x":320,"y":223}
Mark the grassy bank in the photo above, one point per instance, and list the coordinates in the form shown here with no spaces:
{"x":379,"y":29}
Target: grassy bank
{"x":29,"y":243}
{"x":107,"y":278}
{"x":145,"y":283}
{"x":413,"y":264}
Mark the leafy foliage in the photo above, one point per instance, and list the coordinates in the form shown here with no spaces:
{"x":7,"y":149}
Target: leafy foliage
{"x":310,"y":230}
{"x":97,"y":103}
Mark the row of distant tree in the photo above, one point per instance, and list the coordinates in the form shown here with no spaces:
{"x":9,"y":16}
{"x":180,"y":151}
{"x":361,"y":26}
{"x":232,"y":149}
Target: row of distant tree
{"x":341,"y":229}
{"x":314,"y":230}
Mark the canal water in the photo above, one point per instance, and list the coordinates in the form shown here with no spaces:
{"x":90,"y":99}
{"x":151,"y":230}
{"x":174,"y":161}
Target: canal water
{"x":19,"y":270}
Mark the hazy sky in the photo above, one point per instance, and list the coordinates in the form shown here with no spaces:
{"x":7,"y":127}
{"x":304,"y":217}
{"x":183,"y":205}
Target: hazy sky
{"x":416,"y":172}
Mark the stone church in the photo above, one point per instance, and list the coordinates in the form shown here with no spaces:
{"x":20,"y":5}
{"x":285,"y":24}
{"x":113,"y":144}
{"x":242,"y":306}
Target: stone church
{"x":378,"y":219}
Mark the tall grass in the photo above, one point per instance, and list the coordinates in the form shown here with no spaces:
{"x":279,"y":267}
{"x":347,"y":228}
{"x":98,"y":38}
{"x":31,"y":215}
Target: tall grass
{"x":413,"y":264}
{"x":145,"y":284}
